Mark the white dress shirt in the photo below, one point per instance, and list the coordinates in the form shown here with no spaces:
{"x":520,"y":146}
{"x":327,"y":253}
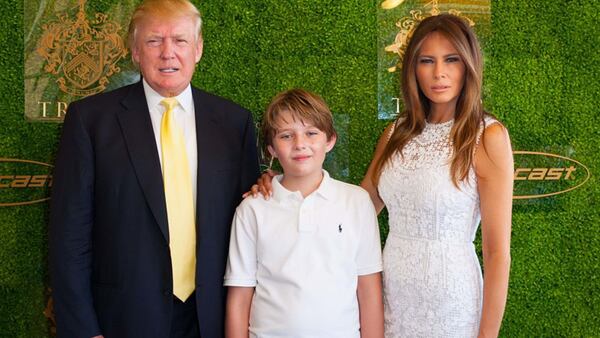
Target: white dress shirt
{"x":184,"y":118}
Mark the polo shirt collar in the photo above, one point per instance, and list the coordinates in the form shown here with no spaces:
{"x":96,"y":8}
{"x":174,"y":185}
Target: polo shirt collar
{"x":325,"y":190}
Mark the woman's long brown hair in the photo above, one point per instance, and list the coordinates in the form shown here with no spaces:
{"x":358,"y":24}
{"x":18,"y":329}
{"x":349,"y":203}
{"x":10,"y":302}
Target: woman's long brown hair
{"x":469,"y":111}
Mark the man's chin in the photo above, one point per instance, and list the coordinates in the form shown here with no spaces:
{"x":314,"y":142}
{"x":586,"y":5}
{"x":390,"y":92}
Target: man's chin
{"x":170,"y":90}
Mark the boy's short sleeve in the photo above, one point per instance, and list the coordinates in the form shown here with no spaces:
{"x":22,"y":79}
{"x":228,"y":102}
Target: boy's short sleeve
{"x":368,"y":258}
{"x":241,"y":264}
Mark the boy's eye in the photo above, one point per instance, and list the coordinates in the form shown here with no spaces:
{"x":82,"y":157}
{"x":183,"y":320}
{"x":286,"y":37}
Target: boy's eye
{"x":312,"y":133}
{"x":284,"y":136}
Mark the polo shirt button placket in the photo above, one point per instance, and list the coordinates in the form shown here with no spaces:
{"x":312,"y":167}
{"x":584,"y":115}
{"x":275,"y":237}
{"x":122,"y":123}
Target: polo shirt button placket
{"x":305,"y":221}
{"x":301,"y":218}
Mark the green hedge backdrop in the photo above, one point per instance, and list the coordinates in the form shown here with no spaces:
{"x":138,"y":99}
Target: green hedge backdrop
{"x":541,"y":80}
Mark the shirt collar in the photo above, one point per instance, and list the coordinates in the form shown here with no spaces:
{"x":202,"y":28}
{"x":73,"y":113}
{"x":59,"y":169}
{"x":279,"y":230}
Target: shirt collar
{"x":153,"y":98}
{"x":325,"y":190}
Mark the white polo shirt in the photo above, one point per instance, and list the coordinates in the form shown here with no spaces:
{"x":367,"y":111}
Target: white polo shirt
{"x":304,"y":256}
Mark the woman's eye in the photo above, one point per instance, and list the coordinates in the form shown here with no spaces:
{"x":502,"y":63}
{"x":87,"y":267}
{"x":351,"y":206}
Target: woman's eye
{"x":453,"y":59}
{"x":425,"y":61}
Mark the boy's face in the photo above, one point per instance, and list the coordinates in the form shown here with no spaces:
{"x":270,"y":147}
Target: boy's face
{"x":300,"y":147}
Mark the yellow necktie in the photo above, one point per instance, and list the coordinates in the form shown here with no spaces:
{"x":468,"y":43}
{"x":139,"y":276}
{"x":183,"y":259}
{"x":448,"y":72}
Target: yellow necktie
{"x":180,"y":206}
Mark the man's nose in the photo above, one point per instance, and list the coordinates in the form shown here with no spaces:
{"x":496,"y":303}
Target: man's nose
{"x":167,"y":51}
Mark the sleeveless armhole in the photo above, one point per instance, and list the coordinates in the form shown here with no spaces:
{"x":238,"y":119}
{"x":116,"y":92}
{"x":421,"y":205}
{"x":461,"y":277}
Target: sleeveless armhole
{"x":487,"y":121}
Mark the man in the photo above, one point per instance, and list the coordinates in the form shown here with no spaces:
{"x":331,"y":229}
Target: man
{"x":146,"y":182}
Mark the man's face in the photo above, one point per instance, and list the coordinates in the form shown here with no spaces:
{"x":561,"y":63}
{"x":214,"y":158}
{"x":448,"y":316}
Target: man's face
{"x":167,"y":52}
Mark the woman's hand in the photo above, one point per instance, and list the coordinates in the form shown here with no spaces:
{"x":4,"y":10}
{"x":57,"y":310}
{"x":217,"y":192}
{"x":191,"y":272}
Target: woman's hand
{"x":263,"y":185}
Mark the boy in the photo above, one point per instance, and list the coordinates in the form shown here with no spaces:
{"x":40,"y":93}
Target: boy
{"x":306,"y":262}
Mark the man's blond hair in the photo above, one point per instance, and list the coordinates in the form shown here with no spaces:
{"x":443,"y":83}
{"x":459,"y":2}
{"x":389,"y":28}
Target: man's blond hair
{"x":164,"y":9}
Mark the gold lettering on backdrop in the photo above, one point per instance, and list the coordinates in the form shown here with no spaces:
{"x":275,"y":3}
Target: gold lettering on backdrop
{"x":397,"y":100}
{"x":44,"y":105}
{"x":61,"y":108}
{"x":540,"y":174}
{"x":3,"y":183}
{"x":554,"y":174}
{"x":39,"y":181}
{"x":83,"y":54}
{"x":544,"y":174}
{"x":53,"y":109}
{"x":24,"y":182}
{"x":518,"y":171}
{"x":20,"y":181}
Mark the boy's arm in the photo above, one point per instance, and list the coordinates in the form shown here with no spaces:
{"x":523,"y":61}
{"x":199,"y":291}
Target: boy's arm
{"x":370,"y":305}
{"x":237,"y":316}
{"x":240,"y":272}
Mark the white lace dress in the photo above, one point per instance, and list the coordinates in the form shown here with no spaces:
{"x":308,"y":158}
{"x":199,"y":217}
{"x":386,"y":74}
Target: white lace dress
{"x":431,"y":274}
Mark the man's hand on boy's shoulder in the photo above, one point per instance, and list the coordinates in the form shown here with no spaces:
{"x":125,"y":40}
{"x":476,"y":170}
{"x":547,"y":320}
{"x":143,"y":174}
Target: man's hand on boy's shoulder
{"x":263,"y":185}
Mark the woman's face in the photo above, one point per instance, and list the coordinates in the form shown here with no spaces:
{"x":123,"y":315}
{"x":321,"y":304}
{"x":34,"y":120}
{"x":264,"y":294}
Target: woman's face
{"x":440,"y":73}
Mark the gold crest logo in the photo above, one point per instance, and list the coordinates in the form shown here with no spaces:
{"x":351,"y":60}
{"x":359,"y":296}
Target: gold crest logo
{"x":82,"y":53}
{"x":407,"y":25}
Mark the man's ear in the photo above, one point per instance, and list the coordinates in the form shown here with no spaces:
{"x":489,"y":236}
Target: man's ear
{"x":331,"y":143}
{"x":199,"y":49}
{"x":271,"y":151}
{"x":135,"y":54}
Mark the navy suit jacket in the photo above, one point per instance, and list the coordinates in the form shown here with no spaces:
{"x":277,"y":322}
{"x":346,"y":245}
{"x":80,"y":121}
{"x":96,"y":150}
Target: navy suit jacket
{"x":109,"y":241}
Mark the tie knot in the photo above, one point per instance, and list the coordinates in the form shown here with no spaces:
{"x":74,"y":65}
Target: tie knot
{"x":169,"y":103}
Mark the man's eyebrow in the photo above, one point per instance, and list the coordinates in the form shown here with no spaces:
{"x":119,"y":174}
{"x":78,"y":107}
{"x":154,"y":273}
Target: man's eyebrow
{"x":154,"y":36}
{"x":180,"y":36}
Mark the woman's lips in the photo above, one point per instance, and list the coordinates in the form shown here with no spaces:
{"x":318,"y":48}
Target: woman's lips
{"x":439,"y":89}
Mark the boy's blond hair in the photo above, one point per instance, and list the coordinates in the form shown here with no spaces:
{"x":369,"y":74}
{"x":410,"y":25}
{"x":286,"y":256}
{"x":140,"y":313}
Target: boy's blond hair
{"x":302,"y":105}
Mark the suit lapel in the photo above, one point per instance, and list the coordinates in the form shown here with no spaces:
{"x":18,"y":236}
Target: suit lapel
{"x":136,"y":126}
{"x":206,"y":122}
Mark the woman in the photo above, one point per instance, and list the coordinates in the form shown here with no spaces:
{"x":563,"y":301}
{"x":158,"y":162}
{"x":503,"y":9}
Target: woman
{"x":443,"y":166}
{"x":440,"y":169}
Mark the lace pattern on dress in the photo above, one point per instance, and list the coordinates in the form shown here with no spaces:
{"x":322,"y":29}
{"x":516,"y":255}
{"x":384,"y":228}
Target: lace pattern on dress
{"x":430,"y":148}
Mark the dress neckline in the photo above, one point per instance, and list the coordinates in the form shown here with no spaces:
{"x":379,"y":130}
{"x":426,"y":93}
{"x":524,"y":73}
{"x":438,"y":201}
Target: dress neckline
{"x":441,"y":125}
